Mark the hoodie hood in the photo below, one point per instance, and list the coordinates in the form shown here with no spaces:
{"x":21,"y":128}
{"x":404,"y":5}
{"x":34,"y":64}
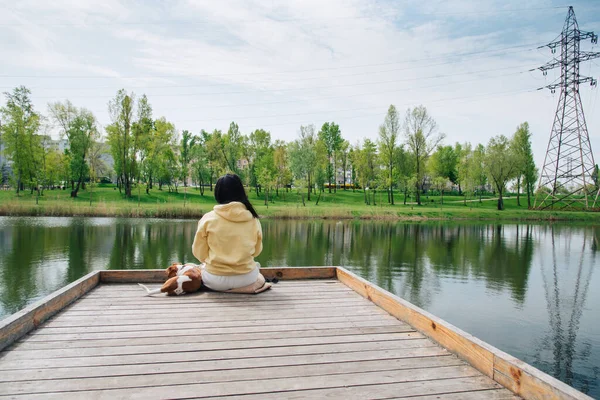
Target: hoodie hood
{"x":234,"y":211}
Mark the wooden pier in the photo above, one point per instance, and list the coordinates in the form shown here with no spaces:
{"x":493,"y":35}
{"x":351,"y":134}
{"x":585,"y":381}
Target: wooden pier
{"x":336,"y":336}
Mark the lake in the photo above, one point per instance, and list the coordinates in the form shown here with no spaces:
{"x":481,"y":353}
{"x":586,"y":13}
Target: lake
{"x":526,"y":289}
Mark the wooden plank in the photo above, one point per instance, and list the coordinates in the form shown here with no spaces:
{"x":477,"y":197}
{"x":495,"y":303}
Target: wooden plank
{"x":33,"y":385}
{"x":490,"y":394}
{"x":476,"y":352}
{"x":168,"y":319}
{"x":265,"y":384}
{"x":151,"y":305}
{"x":200,"y":321}
{"x":275,"y":291}
{"x":436,"y":388}
{"x":514,"y":374}
{"x":18,"y":324}
{"x":200,"y":346}
{"x":159,"y":367}
{"x":25,"y":344}
{"x":158,"y":275}
{"x":529,"y":382}
{"x":318,"y":284}
{"x":187,"y":330}
{"x":139,"y":295}
{"x":214,"y":355}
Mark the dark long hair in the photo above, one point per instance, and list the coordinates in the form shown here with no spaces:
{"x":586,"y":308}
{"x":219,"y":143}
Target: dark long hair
{"x":230,"y":188}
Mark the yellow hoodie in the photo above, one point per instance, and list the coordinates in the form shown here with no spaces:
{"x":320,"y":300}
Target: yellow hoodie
{"x":227,"y":240}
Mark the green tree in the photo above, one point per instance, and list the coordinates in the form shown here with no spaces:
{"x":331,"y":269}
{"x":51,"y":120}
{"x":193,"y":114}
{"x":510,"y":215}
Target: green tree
{"x":19,"y":133}
{"x":443,"y":163}
{"x":344,"y":159}
{"x":78,"y":125}
{"x":366,"y":165}
{"x":422,"y":138}
{"x":186,"y":146}
{"x":500,"y":164}
{"x":281,"y":162}
{"x":303,"y":157}
{"x":331,"y":136}
{"x":259,"y":147}
{"x":120,"y":138}
{"x":465,"y":168}
{"x":526,"y":171}
{"x":232,"y":147}
{"x":388,"y":137}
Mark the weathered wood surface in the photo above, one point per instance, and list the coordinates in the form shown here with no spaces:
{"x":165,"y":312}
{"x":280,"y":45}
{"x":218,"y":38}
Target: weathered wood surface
{"x":519,"y":377}
{"x":158,"y":275}
{"x":300,"y":340}
{"x":18,"y":324}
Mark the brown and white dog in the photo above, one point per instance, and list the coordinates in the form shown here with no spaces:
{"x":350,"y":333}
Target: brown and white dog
{"x":181,"y":278}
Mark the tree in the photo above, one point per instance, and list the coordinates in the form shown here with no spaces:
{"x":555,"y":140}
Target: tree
{"x":281,"y":161}
{"x":303,"y":156}
{"x":331,"y":137}
{"x":526,"y":170}
{"x":96,"y":163}
{"x":79,"y":127}
{"x":443,"y":163}
{"x":232,"y":147}
{"x":595,"y":177}
{"x":185,"y":154}
{"x":259,"y":147}
{"x":465,"y":168}
{"x":366,"y":160}
{"x":500,"y":164}
{"x":422,"y":137}
{"x":478,"y":170}
{"x":19,"y":132}
{"x":199,"y":162}
{"x":344,"y":159}
{"x":388,"y":136}
{"x":120,"y":138}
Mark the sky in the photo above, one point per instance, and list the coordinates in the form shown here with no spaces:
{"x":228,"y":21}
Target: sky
{"x":278,"y":65}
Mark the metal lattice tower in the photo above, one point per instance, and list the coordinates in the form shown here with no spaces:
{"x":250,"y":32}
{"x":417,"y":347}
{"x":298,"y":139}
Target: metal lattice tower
{"x":566,"y":179}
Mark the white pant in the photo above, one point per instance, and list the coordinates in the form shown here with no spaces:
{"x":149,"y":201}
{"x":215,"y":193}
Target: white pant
{"x":223,"y":283}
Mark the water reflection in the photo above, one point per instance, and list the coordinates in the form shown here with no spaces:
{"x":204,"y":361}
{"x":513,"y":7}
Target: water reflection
{"x":566,"y":291}
{"x":524,"y":288}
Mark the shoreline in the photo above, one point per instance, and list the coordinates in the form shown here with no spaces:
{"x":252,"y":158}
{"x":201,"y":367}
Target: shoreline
{"x":289,"y":212}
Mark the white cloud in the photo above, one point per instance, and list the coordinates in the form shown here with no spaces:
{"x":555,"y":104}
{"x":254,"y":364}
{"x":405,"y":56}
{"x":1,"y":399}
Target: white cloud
{"x":277,"y":65}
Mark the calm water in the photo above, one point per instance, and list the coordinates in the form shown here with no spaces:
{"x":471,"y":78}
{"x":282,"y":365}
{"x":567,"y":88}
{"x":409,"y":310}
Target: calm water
{"x":531,"y":291}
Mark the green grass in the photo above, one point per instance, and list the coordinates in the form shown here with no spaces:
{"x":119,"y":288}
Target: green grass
{"x":107,"y":201}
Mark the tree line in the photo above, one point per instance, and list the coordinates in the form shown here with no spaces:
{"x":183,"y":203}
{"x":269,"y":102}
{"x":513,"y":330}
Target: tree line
{"x":408,"y":155}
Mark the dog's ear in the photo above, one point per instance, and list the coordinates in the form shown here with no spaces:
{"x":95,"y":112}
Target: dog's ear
{"x":172,"y":270}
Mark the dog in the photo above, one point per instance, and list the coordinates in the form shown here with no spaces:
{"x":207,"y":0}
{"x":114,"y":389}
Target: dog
{"x":181,"y":278}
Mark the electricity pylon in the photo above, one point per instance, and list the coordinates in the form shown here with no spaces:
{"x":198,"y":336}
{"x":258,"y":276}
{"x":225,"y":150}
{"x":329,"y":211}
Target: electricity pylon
{"x":566,"y":180}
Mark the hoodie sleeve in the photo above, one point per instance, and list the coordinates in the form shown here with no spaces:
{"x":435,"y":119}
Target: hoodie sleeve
{"x":259,"y":245}
{"x":200,"y":245}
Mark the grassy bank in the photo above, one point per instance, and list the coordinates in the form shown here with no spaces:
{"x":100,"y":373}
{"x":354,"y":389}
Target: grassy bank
{"x":108,"y":202}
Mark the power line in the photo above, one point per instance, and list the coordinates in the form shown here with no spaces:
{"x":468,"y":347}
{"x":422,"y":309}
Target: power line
{"x":275,"y":81}
{"x":266,"y":17}
{"x":532,"y":45}
{"x":281,"y":90}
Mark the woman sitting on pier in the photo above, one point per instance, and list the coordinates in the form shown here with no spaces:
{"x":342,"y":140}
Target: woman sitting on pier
{"x":227,"y":240}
